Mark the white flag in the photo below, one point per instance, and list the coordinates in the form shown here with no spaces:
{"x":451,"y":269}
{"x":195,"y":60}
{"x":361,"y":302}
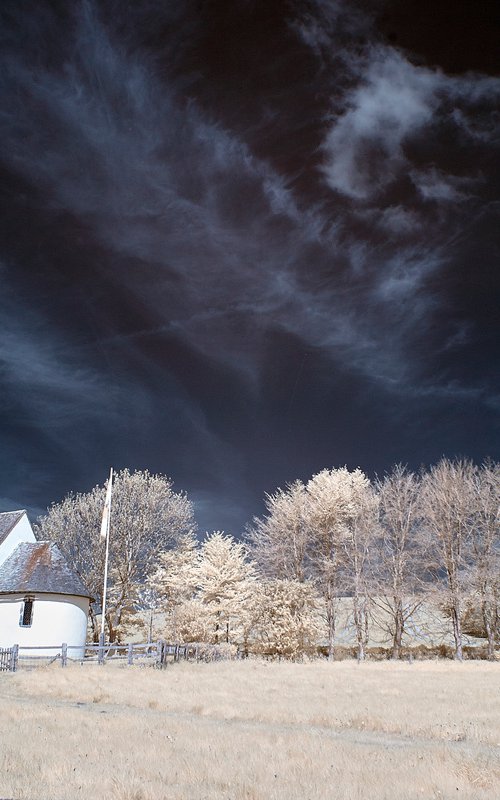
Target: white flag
{"x":107,"y":507}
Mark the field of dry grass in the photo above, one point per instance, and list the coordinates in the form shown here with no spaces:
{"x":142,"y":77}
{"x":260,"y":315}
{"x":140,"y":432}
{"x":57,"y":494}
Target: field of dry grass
{"x":252,"y":730}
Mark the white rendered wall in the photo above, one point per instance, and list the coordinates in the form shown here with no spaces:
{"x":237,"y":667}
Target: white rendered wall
{"x":21,"y":532}
{"x":57,"y":618}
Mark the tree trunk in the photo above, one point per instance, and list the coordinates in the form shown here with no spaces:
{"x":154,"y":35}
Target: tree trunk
{"x":331,"y":634}
{"x":331,"y":620}
{"x":489,"y":629}
{"x":398,"y":630}
{"x":360,"y":616}
{"x":93,"y":625}
{"x":457,"y":629}
{"x":359,"y":624}
{"x":365,"y":625}
{"x":217,"y":627}
{"x":113,"y":620}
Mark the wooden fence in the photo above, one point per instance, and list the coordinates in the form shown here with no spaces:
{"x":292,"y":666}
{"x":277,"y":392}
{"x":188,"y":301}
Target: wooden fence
{"x":157,"y":654}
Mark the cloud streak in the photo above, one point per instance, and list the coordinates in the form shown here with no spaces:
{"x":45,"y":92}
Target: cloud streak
{"x":393,"y":101}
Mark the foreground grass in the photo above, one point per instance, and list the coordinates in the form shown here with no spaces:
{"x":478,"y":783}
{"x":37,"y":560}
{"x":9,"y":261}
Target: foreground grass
{"x":252,"y":730}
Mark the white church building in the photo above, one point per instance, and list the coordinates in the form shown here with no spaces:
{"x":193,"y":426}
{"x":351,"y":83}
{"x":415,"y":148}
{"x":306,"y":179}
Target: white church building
{"x":43,"y":602}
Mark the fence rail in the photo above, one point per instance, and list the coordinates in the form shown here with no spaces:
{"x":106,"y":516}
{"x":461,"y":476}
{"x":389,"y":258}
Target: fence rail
{"x":157,"y":654}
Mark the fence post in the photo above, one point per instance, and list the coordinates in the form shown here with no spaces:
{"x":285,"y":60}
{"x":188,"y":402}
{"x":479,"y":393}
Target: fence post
{"x":64,"y":654}
{"x":176,"y":653}
{"x":14,"y":655}
{"x":161,"y":658}
{"x":100,"y":652}
{"x":130,"y":654}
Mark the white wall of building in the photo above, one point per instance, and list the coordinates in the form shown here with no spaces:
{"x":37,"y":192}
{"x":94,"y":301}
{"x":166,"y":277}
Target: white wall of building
{"x":21,"y":532}
{"x":56,"y":618}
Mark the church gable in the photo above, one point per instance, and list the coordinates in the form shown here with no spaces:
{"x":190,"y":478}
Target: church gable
{"x":15,"y":528}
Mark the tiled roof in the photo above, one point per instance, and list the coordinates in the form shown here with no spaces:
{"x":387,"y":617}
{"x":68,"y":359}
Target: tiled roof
{"x":7,"y":521}
{"x":39,"y":567}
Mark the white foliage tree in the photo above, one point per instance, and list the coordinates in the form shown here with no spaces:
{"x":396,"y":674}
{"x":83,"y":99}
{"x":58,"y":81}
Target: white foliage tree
{"x":225,"y":580}
{"x":173,"y":584}
{"x":341,"y":505}
{"x":285,"y":622}
{"x":190,"y":621}
{"x":174,"y":579}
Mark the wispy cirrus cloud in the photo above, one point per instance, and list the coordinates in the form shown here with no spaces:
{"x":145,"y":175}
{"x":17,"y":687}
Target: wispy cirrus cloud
{"x":229,"y":242}
{"x":197,"y":254}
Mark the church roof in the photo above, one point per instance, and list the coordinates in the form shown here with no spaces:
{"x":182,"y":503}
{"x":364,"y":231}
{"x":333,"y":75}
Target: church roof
{"x":39,"y":567}
{"x":7,"y":521}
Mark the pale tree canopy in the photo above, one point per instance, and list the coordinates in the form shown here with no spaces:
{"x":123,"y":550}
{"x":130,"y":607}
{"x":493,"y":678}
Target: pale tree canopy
{"x":147,"y":518}
{"x":341,"y":507}
{"x":205,"y":591}
{"x":190,"y":621}
{"x":337,"y":498}
{"x":285,"y":622}
{"x":175,"y":578}
{"x":318,"y":532}
{"x":280,"y":539}
{"x":337,"y":502}
{"x":225,"y":579}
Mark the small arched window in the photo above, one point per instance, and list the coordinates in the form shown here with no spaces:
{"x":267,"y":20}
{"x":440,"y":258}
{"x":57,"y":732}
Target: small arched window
{"x":26,"y":612}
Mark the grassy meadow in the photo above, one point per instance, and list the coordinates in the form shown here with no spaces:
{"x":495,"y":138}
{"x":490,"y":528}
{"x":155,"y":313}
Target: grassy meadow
{"x":252,"y":730}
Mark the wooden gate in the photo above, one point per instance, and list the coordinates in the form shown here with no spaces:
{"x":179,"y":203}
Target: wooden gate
{"x":8,"y":658}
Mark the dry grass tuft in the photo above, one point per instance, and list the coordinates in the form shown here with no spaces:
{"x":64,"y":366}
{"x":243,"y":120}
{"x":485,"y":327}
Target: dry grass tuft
{"x":252,"y":730}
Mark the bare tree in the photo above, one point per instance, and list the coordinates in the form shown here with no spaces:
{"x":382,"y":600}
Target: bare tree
{"x":147,"y":517}
{"x":398,"y":552}
{"x":485,"y":571}
{"x":447,"y":507}
{"x":280,"y":540}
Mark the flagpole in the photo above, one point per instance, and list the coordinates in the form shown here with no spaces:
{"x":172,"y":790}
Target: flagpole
{"x":105,"y":531}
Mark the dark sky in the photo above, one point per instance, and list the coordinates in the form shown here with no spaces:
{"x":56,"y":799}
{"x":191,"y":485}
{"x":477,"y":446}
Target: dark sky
{"x":243,"y":241}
